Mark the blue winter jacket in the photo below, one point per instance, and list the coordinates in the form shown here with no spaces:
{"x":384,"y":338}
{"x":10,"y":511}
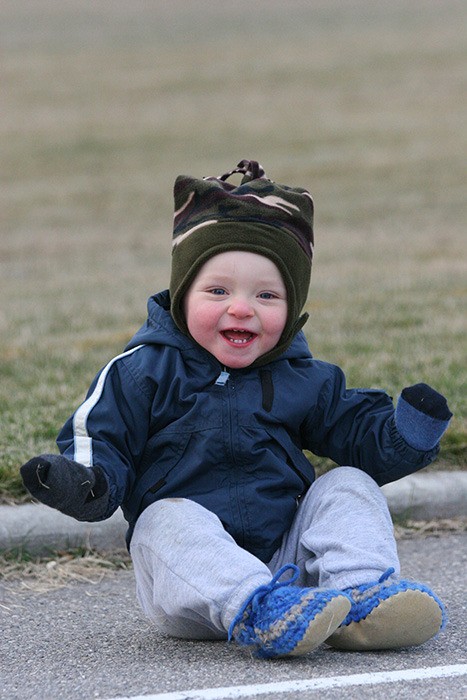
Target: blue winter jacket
{"x":161,"y":421}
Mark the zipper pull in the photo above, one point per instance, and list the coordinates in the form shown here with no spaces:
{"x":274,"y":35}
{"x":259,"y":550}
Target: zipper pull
{"x":223,"y":378}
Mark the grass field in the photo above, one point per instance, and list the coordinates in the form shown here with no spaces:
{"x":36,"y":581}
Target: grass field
{"x":104,"y":103}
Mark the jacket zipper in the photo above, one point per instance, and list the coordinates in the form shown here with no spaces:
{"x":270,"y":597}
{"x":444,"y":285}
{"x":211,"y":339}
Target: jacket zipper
{"x":223,"y":378}
{"x":238,"y":498}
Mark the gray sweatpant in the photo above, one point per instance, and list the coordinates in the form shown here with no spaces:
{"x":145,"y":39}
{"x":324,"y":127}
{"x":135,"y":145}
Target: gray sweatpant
{"x":192,"y":577}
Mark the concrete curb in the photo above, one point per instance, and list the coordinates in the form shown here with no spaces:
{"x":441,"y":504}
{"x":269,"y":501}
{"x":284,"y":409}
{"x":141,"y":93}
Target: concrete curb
{"x":38,"y":529}
{"x":427,"y":495}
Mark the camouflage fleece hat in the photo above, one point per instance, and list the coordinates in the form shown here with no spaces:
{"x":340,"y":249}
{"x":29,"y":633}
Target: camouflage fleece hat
{"x":213,"y":216}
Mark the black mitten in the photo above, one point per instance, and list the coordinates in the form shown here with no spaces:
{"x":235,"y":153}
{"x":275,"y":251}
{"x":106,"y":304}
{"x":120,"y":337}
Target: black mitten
{"x":78,"y":491}
{"x":422,"y":416}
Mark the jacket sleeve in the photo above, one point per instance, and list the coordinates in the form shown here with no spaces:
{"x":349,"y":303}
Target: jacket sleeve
{"x":110,"y":428}
{"x":356,"y":427}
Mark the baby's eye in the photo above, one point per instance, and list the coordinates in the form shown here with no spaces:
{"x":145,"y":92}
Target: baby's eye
{"x":217,"y":290}
{"x":267,"y":295}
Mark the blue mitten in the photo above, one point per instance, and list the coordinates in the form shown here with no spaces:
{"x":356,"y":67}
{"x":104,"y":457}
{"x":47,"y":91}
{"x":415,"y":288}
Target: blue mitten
{"x":79,"y":491}
{"x":422,"y":415}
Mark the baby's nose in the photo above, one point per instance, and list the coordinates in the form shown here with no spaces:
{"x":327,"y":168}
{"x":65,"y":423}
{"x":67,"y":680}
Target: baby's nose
{"x":240,"y":308}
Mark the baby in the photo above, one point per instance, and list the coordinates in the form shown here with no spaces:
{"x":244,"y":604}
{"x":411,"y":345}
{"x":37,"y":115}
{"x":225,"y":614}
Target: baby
{"x":197,"y":432}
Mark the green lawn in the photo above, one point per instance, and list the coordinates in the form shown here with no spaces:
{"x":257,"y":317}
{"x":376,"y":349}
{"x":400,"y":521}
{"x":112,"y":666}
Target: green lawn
{"x":362,"y":102}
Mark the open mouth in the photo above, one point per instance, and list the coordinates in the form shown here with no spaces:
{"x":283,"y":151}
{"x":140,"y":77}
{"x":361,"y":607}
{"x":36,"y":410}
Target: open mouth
{"x":238,"y":336}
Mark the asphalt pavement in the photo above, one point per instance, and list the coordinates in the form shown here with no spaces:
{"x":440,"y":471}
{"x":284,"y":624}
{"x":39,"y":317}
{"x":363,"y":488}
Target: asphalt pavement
{"x":90,"y":640}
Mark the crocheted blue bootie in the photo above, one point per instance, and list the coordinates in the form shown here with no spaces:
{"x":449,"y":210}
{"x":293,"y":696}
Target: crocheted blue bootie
{"x":389,"y":614}
{"x":279,"y":619}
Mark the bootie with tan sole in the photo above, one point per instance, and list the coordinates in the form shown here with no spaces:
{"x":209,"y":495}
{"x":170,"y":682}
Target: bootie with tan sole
{"x":280,"y":619}
{"x":389,"y":614}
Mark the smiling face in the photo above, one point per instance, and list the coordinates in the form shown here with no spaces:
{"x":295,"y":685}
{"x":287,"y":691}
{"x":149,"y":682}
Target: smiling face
{"x":236,"y":307}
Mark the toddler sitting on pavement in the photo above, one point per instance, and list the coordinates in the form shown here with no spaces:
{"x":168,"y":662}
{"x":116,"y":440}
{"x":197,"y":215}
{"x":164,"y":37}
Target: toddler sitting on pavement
{"x":197,"y":432}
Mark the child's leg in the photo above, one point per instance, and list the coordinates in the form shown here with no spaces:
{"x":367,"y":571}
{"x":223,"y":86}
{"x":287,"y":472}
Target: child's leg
{"x":194,"y":581}
{"x":191,"y":576}
{"x":342,"y":534}
{"x":342,"y":537}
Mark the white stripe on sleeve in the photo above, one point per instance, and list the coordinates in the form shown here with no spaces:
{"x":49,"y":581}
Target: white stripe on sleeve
{"x":82,"y":440}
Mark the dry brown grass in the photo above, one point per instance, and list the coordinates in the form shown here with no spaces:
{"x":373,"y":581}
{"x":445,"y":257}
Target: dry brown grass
{"x":432,"y":528}
{"x":41,"y":575}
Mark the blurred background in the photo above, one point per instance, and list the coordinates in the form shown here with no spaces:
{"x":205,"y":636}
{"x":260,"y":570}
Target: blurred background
{"x":105,"y":102}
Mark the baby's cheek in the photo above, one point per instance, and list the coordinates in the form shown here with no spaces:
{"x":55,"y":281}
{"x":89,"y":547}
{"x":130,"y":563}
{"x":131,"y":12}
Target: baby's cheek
{"x":276,"y":323}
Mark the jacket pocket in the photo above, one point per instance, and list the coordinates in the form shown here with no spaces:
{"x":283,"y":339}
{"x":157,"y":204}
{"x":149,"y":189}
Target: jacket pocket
{"x":293,"y":455}
{"x":164,"y":451}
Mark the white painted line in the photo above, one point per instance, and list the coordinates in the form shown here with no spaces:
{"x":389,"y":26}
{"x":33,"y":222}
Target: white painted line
{"x":249,"y":691}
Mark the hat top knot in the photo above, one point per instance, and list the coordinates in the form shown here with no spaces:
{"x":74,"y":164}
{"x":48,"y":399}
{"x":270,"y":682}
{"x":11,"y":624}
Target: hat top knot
{"x":250,"y":169}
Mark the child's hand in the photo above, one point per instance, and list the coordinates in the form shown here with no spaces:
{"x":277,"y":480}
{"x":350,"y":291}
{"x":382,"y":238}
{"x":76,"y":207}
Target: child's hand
{"x":422,"y":415}
{"x":75,"y":490}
